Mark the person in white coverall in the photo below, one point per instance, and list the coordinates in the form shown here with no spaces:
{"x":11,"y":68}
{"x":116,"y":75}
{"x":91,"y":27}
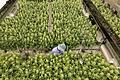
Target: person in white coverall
{"x":59,"y":49}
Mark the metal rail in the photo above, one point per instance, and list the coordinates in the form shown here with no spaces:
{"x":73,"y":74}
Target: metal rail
{"x":4,"y":11}
{"x":111,"y":39}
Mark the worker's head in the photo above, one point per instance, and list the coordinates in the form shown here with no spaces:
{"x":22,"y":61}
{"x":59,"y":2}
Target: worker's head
{"x":62,"y":47}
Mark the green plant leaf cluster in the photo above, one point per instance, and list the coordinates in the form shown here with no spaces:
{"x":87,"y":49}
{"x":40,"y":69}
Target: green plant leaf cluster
{"x":29,"y":28}
{"x":62,"y":67}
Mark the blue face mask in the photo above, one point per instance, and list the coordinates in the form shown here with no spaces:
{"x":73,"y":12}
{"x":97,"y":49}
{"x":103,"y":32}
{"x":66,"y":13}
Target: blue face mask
{"x":61,"y":47}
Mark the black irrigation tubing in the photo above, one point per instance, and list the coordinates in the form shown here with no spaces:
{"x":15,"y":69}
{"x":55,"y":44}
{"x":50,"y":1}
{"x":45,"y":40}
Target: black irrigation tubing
{"x":86,"y":49}
{"x":91,"y":51}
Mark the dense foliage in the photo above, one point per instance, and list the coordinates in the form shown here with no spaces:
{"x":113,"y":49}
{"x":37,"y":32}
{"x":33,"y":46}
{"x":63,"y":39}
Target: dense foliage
{"x":29,"y":29}
{"x":113,"y":20}
{"x":62,"y":67}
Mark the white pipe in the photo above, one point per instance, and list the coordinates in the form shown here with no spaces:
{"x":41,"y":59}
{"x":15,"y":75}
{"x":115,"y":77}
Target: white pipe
{"x":2,"y":3}
{"x":106,"y":54}
{"x":85,"y":13}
